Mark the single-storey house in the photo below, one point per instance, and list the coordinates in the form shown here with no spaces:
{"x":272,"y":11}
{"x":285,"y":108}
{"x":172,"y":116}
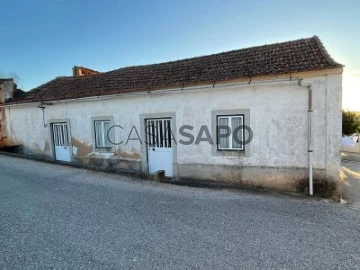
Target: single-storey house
{"x":266,"y":116}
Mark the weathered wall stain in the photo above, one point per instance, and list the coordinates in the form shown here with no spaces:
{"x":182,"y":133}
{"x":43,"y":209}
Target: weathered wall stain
{"x":47,"y":146}
{"x":123,"y":154}
{"x":36,"y":147}
{"x":83,"y":149}
{"x":39,"y":145}
{"x":113,"y":164}
{"x":10,"y":142}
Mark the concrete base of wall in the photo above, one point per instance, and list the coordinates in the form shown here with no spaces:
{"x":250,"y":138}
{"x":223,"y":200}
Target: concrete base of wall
{"x":109,"y":164}
{"x":19,"y":149}
{"x":279,"y":179}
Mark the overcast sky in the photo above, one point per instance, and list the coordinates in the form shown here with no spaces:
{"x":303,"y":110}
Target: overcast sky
{"x":44,"y":39}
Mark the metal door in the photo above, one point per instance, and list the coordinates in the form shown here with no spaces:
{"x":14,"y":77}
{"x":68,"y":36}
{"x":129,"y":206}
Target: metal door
{"x":61,"y":141}
{"x":160,"y":145}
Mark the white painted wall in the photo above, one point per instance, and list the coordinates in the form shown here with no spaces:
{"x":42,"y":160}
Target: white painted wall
{"x":278,"y":118}
{"x":354,"y":148}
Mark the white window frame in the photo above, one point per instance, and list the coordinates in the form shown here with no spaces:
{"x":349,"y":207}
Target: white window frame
{"x":102,"y":148}
{"x":105,"y":143}
{"x":230,"y":138}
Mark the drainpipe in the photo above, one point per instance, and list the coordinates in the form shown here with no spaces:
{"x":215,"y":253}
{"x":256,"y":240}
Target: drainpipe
{"x":310,"y":150}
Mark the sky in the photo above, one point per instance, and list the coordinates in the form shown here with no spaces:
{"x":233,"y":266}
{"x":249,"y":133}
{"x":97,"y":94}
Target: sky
{"x":41,"y":40}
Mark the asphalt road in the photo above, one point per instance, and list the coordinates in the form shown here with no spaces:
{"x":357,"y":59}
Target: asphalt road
{"x":57,"y":217}
{"x":350,"y":176}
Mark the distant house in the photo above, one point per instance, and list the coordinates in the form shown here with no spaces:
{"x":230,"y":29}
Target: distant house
{"x":269,"y":94}
{"x":7,"y":87}
{"x":83,"y":71}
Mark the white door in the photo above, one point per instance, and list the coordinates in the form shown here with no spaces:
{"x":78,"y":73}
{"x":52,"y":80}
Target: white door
{"x":160,"y":145}
{"x":61,"y":141}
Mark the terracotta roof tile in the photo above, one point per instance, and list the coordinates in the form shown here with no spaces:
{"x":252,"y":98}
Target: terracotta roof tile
{"x":274,"y":59}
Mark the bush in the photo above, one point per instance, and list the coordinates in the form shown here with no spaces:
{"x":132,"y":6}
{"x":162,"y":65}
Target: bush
{"x":350,"y":122}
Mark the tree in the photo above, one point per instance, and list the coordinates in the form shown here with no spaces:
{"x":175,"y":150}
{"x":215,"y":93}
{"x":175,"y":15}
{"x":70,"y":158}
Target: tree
{"x":350,"y":122}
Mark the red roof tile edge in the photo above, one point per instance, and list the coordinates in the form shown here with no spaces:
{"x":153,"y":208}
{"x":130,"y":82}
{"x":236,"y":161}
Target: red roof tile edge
{"x":272,"y":59}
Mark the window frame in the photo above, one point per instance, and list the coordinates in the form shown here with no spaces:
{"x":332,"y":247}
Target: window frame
{"x":230,"y":138}
{"x":104,"y":137}
{"x":102,"y":149}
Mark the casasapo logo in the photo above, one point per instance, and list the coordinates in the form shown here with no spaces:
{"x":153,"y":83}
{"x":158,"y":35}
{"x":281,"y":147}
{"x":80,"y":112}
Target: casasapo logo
{"x":186,"y":135}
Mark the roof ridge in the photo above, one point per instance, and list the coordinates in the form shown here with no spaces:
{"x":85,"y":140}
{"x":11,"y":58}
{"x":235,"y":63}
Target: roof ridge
{"x":301,"y":55}
{"x":213,"y":54}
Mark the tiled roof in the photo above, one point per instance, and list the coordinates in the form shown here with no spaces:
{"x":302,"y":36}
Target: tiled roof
{"x":5,"y":79}
{"x":274,"y":59}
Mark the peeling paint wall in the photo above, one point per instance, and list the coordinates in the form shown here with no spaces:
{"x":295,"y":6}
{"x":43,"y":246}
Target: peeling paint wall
{"x":278,"y":118}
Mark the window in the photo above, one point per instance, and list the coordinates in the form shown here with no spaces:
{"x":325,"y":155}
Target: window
{"x":101,"y":134}
{"x":230,"y":132}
